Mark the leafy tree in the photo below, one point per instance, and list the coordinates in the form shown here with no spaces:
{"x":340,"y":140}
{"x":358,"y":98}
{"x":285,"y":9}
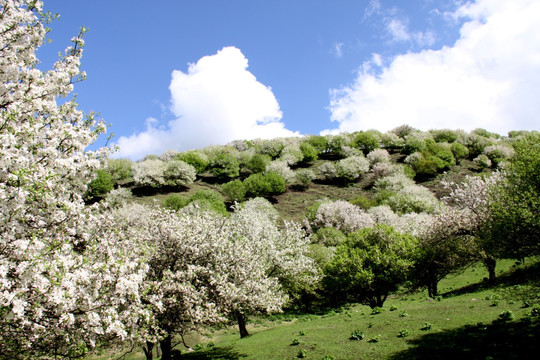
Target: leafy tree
{"x":264,"y":184}
{"x":196,"y":159}
{"x":370,"y":264}
{"x":305,"y":176}
{"x":234,"y":190}
{"x":320,"y":143}
{"x":209,"y":200}
{"x":445,"y":247}
{"x":175,"y":202}
{"x":309,"y":152}
{"x":205,"y":268}
{"x":515,"y":209}
{"x":100,"y":186}
{"x":366,"y":141}
{"x":70,"y":277}
{"x":225,"y":166}
{"x":258,"y":163}
{"x":120,"y":169}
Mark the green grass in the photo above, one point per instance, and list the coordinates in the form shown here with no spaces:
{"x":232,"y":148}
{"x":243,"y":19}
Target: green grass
{"x":463,"y":324}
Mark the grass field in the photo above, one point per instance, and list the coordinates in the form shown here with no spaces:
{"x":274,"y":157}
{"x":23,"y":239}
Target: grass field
{"x":471,"y":320}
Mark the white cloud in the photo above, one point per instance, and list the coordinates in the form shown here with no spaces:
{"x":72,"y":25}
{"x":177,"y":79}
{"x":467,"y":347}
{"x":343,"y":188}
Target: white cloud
{"x":489,"y":78}
{"x":338,"y":50}
{"x":216,"y":101}
{"x":399,"y":32}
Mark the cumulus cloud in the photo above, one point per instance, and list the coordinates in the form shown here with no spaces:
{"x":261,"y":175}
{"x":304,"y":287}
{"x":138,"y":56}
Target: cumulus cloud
{"x":488,"y":78}
{"x":216,"y":101}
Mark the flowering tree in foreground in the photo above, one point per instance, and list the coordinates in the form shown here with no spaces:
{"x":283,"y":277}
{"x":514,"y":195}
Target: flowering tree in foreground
{"x":67,"y":276}
{"x":205,"y":268}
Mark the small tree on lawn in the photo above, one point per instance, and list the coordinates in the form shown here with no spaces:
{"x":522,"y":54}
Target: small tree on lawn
{"x":369,"y":265}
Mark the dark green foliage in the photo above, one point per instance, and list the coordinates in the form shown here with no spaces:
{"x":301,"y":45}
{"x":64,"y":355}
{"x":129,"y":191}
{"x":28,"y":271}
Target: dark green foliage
{"x":225,"y":166}
{"x":444,"y":135}
{"x":194,"y":158}
{"x":413,"y":144}
{"x":366,"y":141}
{"x":460,"y":151}
{"x":120,"y":169}
{"x":264,"y":185}
{"x":442,"y":152}
{"x":100,"y":186}
{"x":428,"y":166}
{"x":328,"y":236}
{"x":209,"y":200}
{"x":309,"y":152}
{"x":175,"y":202}
{"x":369,"y":265}
{"x":485,"y":133}
{"x":357,"y":335}
{"x":318,"y":142}
{"x":234,"y":190}
{"x":515,"y":225}
{"x":363,"y":202}
{"x":258,"y":163}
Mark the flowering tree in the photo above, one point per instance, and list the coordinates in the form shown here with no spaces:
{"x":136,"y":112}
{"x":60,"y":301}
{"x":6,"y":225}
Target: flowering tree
{"x":473,"y":196}
{"x":205,"y":268}
{"x":341,"y":215}
{"x":67,"y":275}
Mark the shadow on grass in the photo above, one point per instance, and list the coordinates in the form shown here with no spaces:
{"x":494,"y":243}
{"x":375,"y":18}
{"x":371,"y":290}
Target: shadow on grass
{"x":221,"y":353}
{"x":496,"y":341}
{"x":529,"y":274}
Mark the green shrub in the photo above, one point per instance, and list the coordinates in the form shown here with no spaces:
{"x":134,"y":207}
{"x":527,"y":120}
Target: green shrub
{"x":175,"y":202}
{"x":328,"y":236}
{"x":426,"y":326}
{"x":120,"y":169}
{"x":363,"y":202}
{"x":258,"y":163}
{"x":209,"y":200}
{"x":101,"y":185}
{"x":403,"y":333}
{"x":366,"y":141}
{"x":305,"y":176}
{"x":264,"y":185}
{"x":302,"y":354}
{"x":444,"y":135}
{"x":194,"y":158}
{"x":357,"y":335}
{"x":295,"y":342}
{"x":234,"y":190}
{"x":460,"y":151}
{"x":309,"y":151}
{"x":225,"y":166}
{"x":506,"y":316}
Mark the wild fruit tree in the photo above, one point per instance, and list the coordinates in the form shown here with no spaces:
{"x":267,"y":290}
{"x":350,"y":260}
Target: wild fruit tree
{"x":68,"y":277}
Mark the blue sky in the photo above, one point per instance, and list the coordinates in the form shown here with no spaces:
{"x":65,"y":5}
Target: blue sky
{"x":185,"y":74}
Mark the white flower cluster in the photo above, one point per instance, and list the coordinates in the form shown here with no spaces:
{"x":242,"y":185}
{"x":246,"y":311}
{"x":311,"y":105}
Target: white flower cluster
{"x":204,"y":267}
{"x":156,"y":173}
{"x":67,"y":273}
{"x":341,"y":215}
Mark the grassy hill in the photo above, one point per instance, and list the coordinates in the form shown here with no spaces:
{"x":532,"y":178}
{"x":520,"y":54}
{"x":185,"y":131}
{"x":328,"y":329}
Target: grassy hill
{"x":471,"y":320}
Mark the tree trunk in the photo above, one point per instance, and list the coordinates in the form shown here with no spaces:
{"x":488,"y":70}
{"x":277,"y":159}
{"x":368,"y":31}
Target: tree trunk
{"x":432,"y":288}
{"x":490,"y":264}
{"x":166,"y":348}
{"x":242,"y":324}
{"x":158,"y":352}
{"x":148,"y":350}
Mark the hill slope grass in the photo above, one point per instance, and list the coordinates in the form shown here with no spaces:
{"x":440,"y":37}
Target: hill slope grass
{"x":472,"y":320}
